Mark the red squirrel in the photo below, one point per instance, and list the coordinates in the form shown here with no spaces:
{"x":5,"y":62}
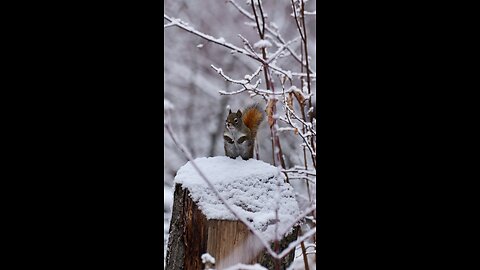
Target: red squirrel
{"x":240,"y":132}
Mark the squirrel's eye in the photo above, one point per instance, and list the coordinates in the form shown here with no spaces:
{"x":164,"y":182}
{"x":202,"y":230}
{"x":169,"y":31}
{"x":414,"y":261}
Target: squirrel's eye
{"x":235,"y":120}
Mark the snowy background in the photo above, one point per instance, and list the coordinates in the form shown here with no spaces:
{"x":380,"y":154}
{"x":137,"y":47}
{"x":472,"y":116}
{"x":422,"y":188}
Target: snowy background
{"x":192,"y":85}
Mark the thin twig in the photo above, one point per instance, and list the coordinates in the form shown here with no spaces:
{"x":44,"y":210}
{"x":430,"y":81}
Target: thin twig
{"x":304,"y":252}
{"x":299,"y":240}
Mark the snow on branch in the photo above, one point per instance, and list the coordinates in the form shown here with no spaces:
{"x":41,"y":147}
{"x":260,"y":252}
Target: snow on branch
{"x":263,"y":43}
{"x":168,"y":25}
{"x":246,"y":83}
{"x":296,"y":243}
{"x":287,"y":105}
{"x":290,"y":112}
{"x":275,"y":33}
{"x":281,"y":49}
{"x":220,"y":41}
{"x":249,"y":46}
{"x":289,"y":74}
{"x":297,"y":14}
{"x":300,"y":217}
{"x":304,"y":136}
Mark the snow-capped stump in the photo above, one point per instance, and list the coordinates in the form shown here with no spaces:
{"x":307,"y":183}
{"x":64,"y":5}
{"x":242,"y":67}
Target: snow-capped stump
{"x":202,"y":224}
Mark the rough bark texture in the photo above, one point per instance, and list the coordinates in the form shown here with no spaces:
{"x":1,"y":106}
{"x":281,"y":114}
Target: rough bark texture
{"x":176,"y":246}
{"x":192,"y":235}
{"x":195,"y":234}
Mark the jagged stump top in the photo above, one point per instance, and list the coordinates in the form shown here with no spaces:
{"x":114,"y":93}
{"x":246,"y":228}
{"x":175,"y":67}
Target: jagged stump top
{"x":252,"y":187}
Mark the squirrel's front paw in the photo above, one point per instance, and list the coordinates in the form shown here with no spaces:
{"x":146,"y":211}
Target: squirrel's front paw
{"x":242,"y":139}
{"x":227,"y":139}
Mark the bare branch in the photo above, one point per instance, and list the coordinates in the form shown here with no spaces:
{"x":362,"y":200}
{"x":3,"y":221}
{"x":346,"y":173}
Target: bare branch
{"x":304,"y":252}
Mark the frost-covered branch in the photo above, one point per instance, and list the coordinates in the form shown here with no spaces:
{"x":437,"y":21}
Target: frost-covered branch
{"x":220,"y":41}
{"x":271,"y":103}
{"x":276,"y":34}
{"x":297,"y":20}
{"x":296,"y":243}
{"x":299,"y":218}
{"x":168,"y":25}
{"x":305,"y":124}
{"x":249,"y":46}
{"x":305,"y":138}
{"x":246,"y":83}
{"x":307,"y":60}
{"x":288,"y":120}
{"x":280,"y":50}
{"x":289,"y":74}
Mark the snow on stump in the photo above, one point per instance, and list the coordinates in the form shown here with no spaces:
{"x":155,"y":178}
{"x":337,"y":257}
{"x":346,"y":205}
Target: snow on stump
{"x":202,"y":224}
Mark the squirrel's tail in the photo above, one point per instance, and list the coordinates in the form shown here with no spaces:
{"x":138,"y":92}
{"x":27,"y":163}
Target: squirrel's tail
{"x":252,"y":117}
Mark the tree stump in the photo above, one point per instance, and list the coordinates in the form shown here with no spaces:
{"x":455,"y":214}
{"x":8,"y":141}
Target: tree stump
{"x":201,"y":224}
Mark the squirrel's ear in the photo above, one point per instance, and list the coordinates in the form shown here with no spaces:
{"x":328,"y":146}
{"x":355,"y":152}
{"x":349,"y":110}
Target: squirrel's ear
{"x":229,"y":111}
{"x":239,"y":113}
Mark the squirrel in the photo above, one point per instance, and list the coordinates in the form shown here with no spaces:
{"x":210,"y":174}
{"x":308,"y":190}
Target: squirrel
{"x":240,"y":131}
